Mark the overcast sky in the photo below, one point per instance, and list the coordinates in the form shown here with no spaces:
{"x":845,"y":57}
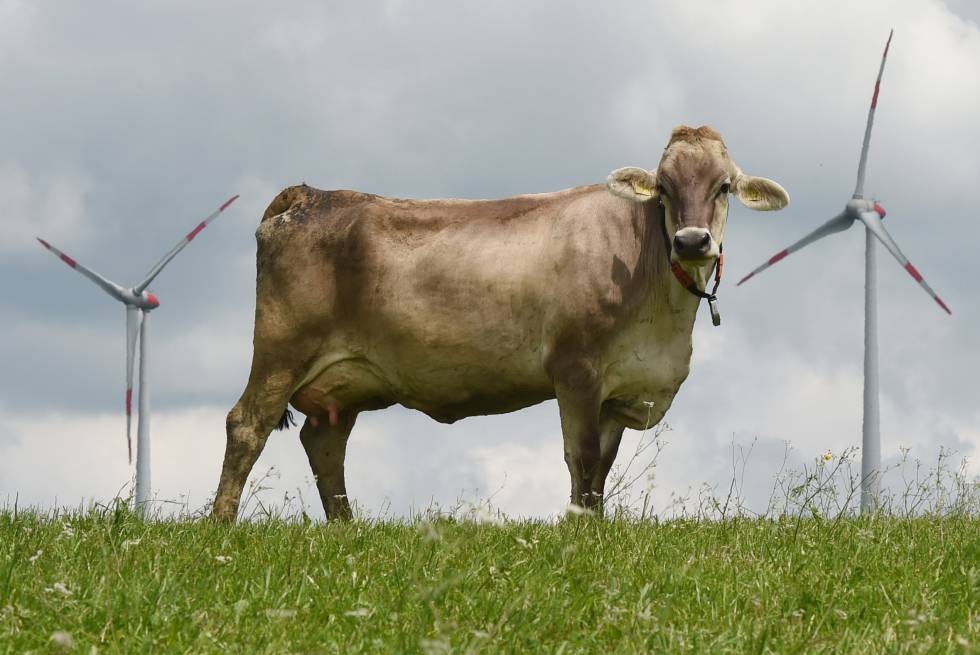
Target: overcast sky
{"x":123,"y":124}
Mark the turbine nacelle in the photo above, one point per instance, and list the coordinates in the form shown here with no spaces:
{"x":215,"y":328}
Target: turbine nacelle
{"x":857,"y":206}
{"x":143,"y":300}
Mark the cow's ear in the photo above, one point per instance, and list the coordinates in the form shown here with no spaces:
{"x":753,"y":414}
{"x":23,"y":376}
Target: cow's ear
{"x":633,"y":183}
{"x":759,"y":193}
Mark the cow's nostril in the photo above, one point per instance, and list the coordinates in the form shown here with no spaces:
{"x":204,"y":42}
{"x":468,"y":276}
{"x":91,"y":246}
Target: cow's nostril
{"x":692,"y":243}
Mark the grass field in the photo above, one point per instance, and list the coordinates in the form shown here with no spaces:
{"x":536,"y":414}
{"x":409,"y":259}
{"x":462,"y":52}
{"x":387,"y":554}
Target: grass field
{"x":105,"y":581}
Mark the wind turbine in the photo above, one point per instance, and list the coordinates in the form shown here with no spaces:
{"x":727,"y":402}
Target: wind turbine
{"x":870,"y":214}
{"x":139,"y":303}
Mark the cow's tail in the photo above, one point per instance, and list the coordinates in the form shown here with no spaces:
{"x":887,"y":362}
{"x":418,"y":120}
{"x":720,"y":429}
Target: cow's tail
{"x":286,"y":421}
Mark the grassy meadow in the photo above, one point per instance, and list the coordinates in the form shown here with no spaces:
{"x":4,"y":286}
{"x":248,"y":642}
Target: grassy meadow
{"x":106,"y":581}
{"x":807,"y":575}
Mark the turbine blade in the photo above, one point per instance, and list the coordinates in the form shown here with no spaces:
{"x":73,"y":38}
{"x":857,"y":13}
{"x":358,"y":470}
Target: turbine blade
{"x":108,"y":286}
{"x":838,"y":223}
{"x":134,"y":317}
{"x":859,"y":187}
{"x":180,"y":246}
{"x":873,"y":222}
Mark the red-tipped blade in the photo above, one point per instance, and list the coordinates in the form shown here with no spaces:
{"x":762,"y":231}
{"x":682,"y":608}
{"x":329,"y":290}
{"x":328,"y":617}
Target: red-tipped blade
{"x":836,"y":224}
{"x":108,"y":286}
{"x":181,"y":245}
{"x":872,"y":221}
{"x":129,"y":425}
{"x":133,"y":318}
{"x":859,"y":187}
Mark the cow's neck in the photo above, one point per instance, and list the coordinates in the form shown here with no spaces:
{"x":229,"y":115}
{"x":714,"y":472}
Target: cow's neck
{"x":664,"y":287}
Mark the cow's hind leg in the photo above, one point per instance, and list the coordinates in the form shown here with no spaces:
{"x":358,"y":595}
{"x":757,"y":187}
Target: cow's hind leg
{"x":248,"y":426}
{"x":325,"y":441}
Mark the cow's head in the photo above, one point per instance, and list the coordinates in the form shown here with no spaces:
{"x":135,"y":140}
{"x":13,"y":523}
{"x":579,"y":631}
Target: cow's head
{"x":692,"y":182}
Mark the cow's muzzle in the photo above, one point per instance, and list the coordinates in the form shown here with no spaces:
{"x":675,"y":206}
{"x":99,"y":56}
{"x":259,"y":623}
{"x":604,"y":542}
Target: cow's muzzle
{"x":693,"y":243}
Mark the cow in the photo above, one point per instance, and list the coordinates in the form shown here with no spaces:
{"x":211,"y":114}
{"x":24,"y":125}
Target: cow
{"x":459,"y":308}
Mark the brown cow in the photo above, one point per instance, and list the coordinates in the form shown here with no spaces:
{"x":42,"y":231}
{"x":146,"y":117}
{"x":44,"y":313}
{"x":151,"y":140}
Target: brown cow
{"x":465,"y":307}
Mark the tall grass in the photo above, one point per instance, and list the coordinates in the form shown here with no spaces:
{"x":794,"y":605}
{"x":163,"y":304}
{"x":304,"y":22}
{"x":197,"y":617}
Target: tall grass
{"x":704,"y":574}
{"x":827,"y":486}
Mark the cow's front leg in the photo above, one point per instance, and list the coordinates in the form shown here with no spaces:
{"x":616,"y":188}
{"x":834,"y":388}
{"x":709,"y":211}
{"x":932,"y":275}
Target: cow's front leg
{"x":325,"y":441}
{"x":610,"y":435}
{"x":578,"y":405}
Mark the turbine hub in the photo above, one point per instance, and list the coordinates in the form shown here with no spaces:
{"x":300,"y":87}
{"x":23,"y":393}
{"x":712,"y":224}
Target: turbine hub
{"x":857,"y":206}
{"x":150,"y":298}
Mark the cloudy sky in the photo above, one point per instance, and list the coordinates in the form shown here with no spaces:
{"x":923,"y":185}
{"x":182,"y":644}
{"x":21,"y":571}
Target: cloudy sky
{"x":122,"y":124}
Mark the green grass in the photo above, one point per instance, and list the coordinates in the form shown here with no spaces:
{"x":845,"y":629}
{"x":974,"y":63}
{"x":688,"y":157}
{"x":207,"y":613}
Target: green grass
{"x":119,"y":584}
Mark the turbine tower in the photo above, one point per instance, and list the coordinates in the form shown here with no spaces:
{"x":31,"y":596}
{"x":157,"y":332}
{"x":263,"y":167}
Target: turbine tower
{"x":139,"y":303}
{"x":870,"y":214}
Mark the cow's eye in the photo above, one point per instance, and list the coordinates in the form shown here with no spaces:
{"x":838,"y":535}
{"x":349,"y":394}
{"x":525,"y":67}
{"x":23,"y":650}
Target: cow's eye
{"x":725,"y":188}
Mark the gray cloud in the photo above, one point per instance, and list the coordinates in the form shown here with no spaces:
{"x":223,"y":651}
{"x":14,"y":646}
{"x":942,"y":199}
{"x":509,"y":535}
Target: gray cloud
{"x":123,"y":125}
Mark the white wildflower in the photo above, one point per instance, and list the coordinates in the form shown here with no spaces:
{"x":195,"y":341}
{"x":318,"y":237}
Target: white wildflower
{"x":222,"y":559}
{"x":483,"y":515}
{"x":578,"y":510}
{"x":33,"y":558}
{"x":359,"y":612}
{"x":280,"y":613}
{"x":440,"y":646}
{"x":915,"y":618}
{"x":60,"y":588}
{"x":63,"y":640}
{"x":130,"y":542}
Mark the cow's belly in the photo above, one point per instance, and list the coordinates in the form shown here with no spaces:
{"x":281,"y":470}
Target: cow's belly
{"x":449,"y":385}
{"x":642,"y":377}
{"x":446,"y":383}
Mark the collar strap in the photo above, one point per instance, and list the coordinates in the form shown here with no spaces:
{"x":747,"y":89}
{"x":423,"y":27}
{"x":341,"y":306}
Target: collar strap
{"x":688,"y":282}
